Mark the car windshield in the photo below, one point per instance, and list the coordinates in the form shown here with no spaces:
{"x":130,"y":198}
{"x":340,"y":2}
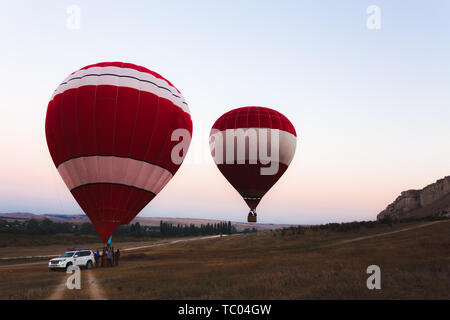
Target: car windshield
{"x":66,"y":254}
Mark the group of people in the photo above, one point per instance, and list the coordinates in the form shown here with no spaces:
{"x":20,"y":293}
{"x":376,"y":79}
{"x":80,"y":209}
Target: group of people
{"x":107,"y":257}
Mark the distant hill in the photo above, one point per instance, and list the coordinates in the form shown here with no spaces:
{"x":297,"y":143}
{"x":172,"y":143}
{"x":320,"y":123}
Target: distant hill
{"x":53,"y":217}
{"x":432,"y":200}
{"x":147,"y":221}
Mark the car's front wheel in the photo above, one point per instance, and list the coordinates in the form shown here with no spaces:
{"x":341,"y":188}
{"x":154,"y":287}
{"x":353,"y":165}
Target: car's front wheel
{"x":89,"y":265}
{"x":68,"y":265}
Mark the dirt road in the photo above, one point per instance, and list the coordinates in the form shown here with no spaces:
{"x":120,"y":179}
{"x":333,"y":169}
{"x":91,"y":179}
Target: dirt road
{"x":172,"y":242}
{"x":58,"y":292}
{"x":95,"y":292}
{"x":337,"y":243}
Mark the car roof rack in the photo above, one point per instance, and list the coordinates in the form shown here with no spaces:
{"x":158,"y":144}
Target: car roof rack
{"x":77,"y":249}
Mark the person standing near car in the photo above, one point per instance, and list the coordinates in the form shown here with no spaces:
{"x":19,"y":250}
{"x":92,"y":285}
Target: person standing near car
{"x":112,"y":256}
{"x":96,"y":257}
{"x":116,"y":256}
{"x":109,"y":254}
{"x":104,"y":258}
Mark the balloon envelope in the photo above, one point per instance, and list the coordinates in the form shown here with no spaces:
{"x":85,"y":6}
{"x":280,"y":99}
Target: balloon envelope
{"x":108,"y":128}
{"x":253,"y":147}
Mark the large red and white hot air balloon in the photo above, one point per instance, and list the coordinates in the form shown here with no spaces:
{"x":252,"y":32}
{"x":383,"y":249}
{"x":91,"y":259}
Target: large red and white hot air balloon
{"x":110,"y":131}
{"x":253,"y":147}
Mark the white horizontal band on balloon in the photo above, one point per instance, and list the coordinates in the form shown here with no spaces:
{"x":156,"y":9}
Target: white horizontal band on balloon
{"x":109,"y":169}
{"x":247,"y":144}
{"x":125,"y":72}
{"x":123,"y":77}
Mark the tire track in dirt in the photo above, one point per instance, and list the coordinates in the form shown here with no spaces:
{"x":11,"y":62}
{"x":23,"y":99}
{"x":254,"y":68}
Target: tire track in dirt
{"x":95,"y":292}
{"x":22,"y":265}
{"x":58,"y":292}
{"x":173,"y":242}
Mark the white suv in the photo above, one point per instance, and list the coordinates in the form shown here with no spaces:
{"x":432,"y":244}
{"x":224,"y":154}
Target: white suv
{"x":74,"y":256}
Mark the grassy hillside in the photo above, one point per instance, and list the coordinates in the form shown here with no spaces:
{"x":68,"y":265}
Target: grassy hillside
{"x":414,"y":264}
{"x":293,"y":264}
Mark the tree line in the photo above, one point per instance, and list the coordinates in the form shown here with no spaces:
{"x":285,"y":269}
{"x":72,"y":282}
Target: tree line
{"x":48,"y":227}
{"x":351,"y":226}
{"x":170,"y":230}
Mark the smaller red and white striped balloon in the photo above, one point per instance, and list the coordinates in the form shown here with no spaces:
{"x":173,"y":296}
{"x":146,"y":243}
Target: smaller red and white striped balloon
{"x":109,"y":129}
{"x":253,"y":147}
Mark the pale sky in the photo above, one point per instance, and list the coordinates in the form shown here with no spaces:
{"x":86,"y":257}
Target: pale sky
{"x":371,"y":106}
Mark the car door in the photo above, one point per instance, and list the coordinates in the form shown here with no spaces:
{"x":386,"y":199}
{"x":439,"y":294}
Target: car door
{"x":86,"y":256}
{"x":78,"y":259}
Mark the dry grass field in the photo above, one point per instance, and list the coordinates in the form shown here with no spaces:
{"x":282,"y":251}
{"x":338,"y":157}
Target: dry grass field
{"x":415,"y":264}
